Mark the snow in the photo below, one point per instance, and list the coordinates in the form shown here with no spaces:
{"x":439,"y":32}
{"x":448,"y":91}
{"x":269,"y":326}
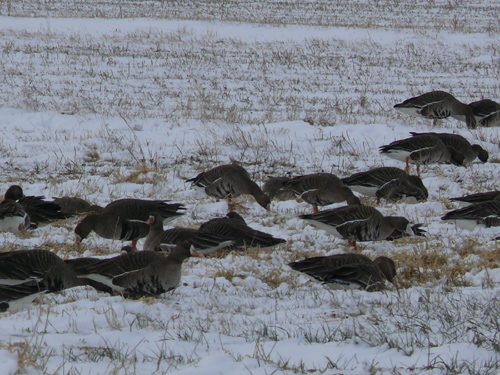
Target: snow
{"x":248,"y":312}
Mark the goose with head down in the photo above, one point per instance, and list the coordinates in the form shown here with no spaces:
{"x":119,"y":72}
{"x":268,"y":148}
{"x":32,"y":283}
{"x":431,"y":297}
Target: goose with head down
{"x":358,"y":223}
{"x":320,"y":189}
{"x":348,"y":271}
{"x":233,"y":227}
{"x":228,"y":181}
{"x":422,"y":149}
{"x":378,"y":181}
{"x":437,"y":105}
{"x":25,"y":274}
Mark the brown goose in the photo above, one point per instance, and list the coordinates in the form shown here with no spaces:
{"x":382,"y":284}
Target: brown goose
{"x":369,"y":182}
{"x":348,"y":271}
{"x":401,"y":190}
{"x":137,"y":274}
{"x":437,"y":105}
{"x":459,"y":143}
{"x":24,"y":274}
{"x":483,"y":214}
{"x":227,"y":181}
{"x":125,"y":219}
{"x":487,"y":112}
{"x":234,"y":228}
{"x":13,"y":217}
{"x":273,"y":188}
{"x":206,"y":243}
{"x":321,"y":189}
{"x":477,"y":198}
{"x":358,"y":223}
{"x":75,"y":205}
{"x":39,"y":210}
{"x":422,"y":149}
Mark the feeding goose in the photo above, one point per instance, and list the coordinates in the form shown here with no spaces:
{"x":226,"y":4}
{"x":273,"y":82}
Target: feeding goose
{"x":437,"y":105}
{"x":483,"y":214}
{"x":486,"y":111}
{"x":378,"y":182}
{"x":25,"y":274}
{"x":348,"y":271}
{"x":75,"y":205}
{"x":358,"y":223}
{"x":234,"y":228}
{"x":422,"y":149}
{"x":320,"y":189}
{"x":228,"y":181}
{"x":477,"y":198}
{"x":401,"y":190}
{"x":459,"y":143}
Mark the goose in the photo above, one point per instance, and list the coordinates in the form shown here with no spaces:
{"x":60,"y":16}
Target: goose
{"x":13,"y":217}
{"x":125,"y":219}
{"x":273,"y":188}
{"x":487,"y":112}
{"x":205,"y":243}
{"x":358,"y":223}
{"x":227,"y":181}
{"x":348,"y":271}
{"x":320,"y":189}
{"x":483,"y":214}
{"x":25,"y":274}
{"x":437,"y":105}
{"x":138,"y":274}
{"x":234,"y":228}
{"x":39,"y":210}
{"x":422,"y":149}
{"x":401,"y":190}
{"x":370,"y":182}
{"x":477,"y":198}
{"x":459,"y":143}
{"x":75,"y":205}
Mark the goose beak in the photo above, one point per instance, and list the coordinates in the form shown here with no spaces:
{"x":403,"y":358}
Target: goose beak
{"x":78,"y":240}
{"x":151,"y":220}
{"x":464,"y":165}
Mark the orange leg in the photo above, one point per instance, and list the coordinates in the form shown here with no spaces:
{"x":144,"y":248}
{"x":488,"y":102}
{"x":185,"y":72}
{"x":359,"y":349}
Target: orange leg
{"x":315,"y":209}
{"x":407,"y":164}
{"x":353,"y":244}
{"x":418,"y":170}
{"x":134,"y":245}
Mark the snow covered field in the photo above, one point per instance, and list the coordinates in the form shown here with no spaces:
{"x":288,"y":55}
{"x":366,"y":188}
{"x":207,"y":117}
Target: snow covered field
{"x":106,"y":108}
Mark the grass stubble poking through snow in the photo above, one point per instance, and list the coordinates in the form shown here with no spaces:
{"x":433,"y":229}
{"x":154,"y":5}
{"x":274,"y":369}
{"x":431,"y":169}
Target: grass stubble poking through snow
{"x":108,"y":108}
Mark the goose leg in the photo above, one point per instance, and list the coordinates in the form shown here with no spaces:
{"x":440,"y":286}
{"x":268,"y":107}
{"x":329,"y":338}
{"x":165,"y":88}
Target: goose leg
{"x":353,"y":244}
{"x":407,"y":164}
{"x":315,"y":209}
{"x":418,"y":170}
